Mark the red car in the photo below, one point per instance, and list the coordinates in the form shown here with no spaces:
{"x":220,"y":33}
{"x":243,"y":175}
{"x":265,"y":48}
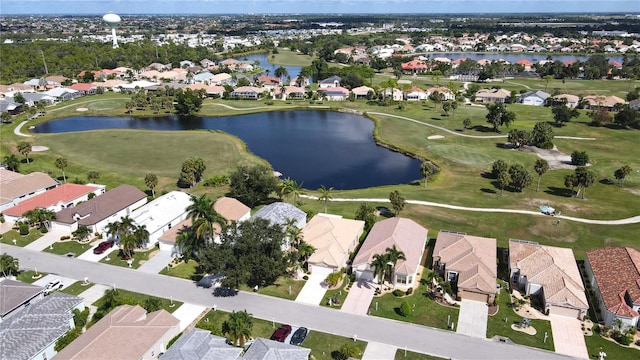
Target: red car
{"x":282,"y":333}
{"x":103,"y":246}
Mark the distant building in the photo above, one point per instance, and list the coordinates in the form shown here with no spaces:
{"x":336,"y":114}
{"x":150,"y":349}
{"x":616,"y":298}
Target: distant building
{"x":16,"y":187}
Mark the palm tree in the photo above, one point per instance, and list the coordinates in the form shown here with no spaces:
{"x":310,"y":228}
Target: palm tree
{"x":325,"y":194}
{"x":141,"y":234}
{"x":305,"y":250}
{"x":285,"y":188}
{"x":24,"y":148}
{"x":127,"y":225}
{"x":393,"y":256}
{"x":379,"y":264}
{"x":426,"y":169}
{"x":38,"y":216}
{"x":113,"y":229}
{"x":237,"y":328}
{"x":128,"y":242}
{"x":8,"y":265}
{"x":541,"y":166}
{"x":203,"y":218}
{"x":296,"y":190}
{"x":11,"y":162}
{"x":151,"y":181}
{"x":283,"y":90}
{"x":295,"y":235}
{"x":62,"y":163}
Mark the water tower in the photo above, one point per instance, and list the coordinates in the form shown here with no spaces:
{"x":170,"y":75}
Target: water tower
{"x":112,"y":20}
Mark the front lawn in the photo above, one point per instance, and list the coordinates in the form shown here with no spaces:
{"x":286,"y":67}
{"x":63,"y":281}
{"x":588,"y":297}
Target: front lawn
{"x":129,"y":297}
{"x":402,"y":354}
{"x":27,"y":276}
{"x":596,"y":343}
{"x":497,"y":326}
{"x":339,"y":294}
{"x":22,"y":241}
{"x":68,"y":247}
{"x":139,"y":257}
{"x":76,"y":288}
{"x":285,"y":287}
{"x":188,"y":270}
{"x":425,"y":311}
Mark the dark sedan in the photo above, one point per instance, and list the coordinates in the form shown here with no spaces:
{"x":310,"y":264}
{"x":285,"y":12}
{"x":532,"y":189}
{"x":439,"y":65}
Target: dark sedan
{"x":282,"y":333}
{"x":298,"y":336}
{"x":103,"y":246}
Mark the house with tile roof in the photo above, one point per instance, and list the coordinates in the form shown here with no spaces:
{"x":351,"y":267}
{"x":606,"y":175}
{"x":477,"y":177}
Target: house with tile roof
{"x":535,"y":98}
{"x":232,"y":209}
{"x":32,"y":332}
{"x":290,"y":93}
{"x":334,"y":239}
{"x":614,"y":274}
{"x":337,"y":93}
{"x":362,"y":92}
{"x":447,"y":94}
{"x":248,"y":92}
{"x":492,"y":95}
{"x":61,"y":197}
{"x":571,"y":101}
{"x":167,"y":241}
{"x":96,"y":213}
{"x":416,"y":94}
{"x":550,"y":273}
{"x":263,"y":349}
{"x":126,"y":333}
{"x":408,"y":237}
{"x":469,"y":262}
{"x":593,"y":102}
{"x":16,"y":188}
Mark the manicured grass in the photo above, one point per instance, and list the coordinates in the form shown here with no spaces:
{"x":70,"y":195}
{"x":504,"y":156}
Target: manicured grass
{"x":290,"y":58}
{"x":26,"y":276}
{"x":340,"y":293}
{"x":402,"y":354}
{"x":66,"y":247}
{"x":321,"y":344}
{"x":76,"y":288}
{"x":425,"y":311}
{"x":496,"y":326}
{"x":188,"y":270}
{"x":596,"y":343}
{"x":140,"y":298}
{"x":285,"y":287}
{"x":22,"y":241}
{"x":117,"y":258}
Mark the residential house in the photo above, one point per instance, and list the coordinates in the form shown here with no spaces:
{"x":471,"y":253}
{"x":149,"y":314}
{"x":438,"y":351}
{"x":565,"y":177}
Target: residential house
{"x":203,"y":77}
{"x":362,"y":92}
{"x":394,"y":94}
{"x":96,"y":213}
{"x":215,"y":91}
{"x":300,"y":81}
{"x":244,"y":67}
{"x":549,"y":273}
{"x":408,"y":237}
{"x":614,"y":274}
{"x":16,"y":187}
{"x":334,"y":239}
{"x":232,"y":209}
{"x":535,"y":98}
{"x":110,"y":84}
{"x":135,"y":85}
{"x":571,"y":101}
{"x":469,"y":262}
{"x":197,"y":344}
{"x":334,"y":93}
{"x":158,"y":67}
{"x":61,"y":197}
{"x":263,"y":349}
{"x":220,"y":79}
{"x":126,"y":333}
{"x":526,"y":64}
{"x":16,"y":295}
{"x":32,"y":332}
{"x":291,"y":93}
{"x":57,"y":79}
{"x":330,"y":82}
{"x":593,"y":102}
{"x":32,"y":99}
{"x":492,"y":95}
{"x":269,"y":82}
{"x":415,"y":66}
{"x":167,"y":240}
{"x":62,"y":94}
{"x":416,"y":94}
{"x":13,"y":108}
{"x":248,"y":92}
{"x":447,"y":94}
{"x":10,"y":90}
{"x":280,"y":213}
{"x":161,"y":214}
{"x":84,"y":89}
{"x":634,"y":104}
{"x":206,"y":63}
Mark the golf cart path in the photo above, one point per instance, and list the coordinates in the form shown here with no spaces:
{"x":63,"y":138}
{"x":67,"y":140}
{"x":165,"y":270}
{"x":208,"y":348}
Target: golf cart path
{"x":466,"y":135}
{"x":631,"y":220}
{"x":18,"y":128}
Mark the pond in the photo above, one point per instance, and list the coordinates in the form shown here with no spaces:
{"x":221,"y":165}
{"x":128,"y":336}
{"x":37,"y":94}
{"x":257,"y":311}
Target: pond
{"x":263,"y":59}
{"x":313,"y":147}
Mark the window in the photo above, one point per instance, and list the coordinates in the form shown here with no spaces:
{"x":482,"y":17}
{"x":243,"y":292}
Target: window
{"x":452,"y":276}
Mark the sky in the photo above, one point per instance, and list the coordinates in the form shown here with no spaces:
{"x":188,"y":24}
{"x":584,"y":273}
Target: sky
{"x":171,"y":7}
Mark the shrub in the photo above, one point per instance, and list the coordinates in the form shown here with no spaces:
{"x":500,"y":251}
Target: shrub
{"x":43,"y":230}
{"x":65,"y":237}
{"x":546,"y":145}
{"x":333,"y":278}
{"x":579,"y":158}
{"x":1,"y":219}
{"x":24,"y":229}
{"x":409,"y":291}
{"x":67,"y":338}
{"x":352,"y":277}
{"x":306,"y":277}
{"x":405,"y":308}
{"x":218,"y":180}
{"x":398,"y":293}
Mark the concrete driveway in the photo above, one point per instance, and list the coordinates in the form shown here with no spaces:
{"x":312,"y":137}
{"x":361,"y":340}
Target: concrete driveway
{"x":472,"y":320}
{"x":379,"y":351}
{"x":359,"y":298}
{"x":568,"y":338}
{"x":51,"y":277}
{"x":158,"y":262}
{"x":188,"y":313}
{"x":314,"y":289}
{"x":90,"y":256}
{"x":51,"y":237}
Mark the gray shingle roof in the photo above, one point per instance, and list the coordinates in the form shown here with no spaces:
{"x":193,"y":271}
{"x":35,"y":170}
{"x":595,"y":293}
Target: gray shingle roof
{"x":15,"y":293}
{"x":32,"y":329}
{"x":199,"y":344}
{"x":101,"y":207}
{"x":263,"y":349}
{"x":280,"y":212}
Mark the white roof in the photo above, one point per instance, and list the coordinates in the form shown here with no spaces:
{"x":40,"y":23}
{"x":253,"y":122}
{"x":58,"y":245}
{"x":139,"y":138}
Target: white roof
{"x":159,"y":212}
{"x":139,"y":83}
{"x":55,"y":92}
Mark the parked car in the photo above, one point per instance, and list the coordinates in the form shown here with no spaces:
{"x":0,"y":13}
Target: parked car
{"x":52,"y":286}
{"x":281,"y":333}
{"x":298,"y":336}
{"x":103,"y":246}
{"x":208,"y":281}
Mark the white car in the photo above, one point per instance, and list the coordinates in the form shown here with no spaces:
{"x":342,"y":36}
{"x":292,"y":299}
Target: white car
{"x":52,"y":286}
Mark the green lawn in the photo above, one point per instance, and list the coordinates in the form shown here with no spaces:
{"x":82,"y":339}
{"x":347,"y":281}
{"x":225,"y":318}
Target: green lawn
{"x":285,"y":287}
{"x":402,"y":354}
{"x":66,"y":247}
{"x":340,"y":293}
{"x":140,"y":298}
{"x":188,"y":270}
{"x":27,"y":276}
{"x":290,"y":58}
{"x":613,"y":350}
{"x":139,"y":257}
{"x":22,"y":241}
{"x":425,"y":310}
{"x":76,"y":288}
{"x":321,"y":344}
{"x":496,"y":326}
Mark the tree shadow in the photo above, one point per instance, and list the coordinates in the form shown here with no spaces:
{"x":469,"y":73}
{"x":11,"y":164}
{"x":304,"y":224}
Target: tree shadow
{"x":552,"y":190}
{"x":435,"y":118}
{"x":487,"y":175}
{"x":606,"y":182}
{"x":482,"y":128}
{"x":224,"y":292}
{"x":488,"y":191}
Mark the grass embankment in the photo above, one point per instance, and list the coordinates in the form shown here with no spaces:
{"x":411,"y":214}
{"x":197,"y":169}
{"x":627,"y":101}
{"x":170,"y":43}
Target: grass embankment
{"x":322,"y":345}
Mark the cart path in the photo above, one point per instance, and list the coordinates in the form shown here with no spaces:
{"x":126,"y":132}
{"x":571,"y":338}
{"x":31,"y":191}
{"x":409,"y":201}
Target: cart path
{"x":631,"y":220}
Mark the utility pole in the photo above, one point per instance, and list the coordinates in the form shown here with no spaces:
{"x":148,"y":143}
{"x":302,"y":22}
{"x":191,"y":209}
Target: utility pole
{"x":46,"y":71}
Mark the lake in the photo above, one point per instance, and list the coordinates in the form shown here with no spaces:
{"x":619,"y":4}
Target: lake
{"x":262,"y":58}
{"x":314,"y":147}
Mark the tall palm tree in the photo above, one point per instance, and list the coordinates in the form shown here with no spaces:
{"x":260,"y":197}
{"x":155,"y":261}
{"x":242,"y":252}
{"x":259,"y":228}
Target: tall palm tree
{"x":38,"y":216}
{"x":8,"y":265}
{"x":285,"y":188}
{"x":141,"y":234}
{"x":151,"y":181}
{"x":237,"y":328}
{"x":113,"y":229}
{"x":62,"y":163}
{"x":24,"y":148}
{"x":295,"y":235}
{"x":426,"y":169}
{"x":325,"y":195}
{"x":11,"y":162}
{"x":127,"y":225}
{"x":394,"y":255}
{"x":296,"y":190}
{"x":379,"y":264}
{"x":305,"y":250}
{"x":203,"y":218}
{"x":128,"y":242}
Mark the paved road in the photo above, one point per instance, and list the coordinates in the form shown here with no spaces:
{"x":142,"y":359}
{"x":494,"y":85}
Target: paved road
{"x":416,"y":338}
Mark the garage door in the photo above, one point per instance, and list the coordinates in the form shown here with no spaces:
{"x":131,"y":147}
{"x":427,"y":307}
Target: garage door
{"x":558,"y":310}
{"x":321,"y":270}
{"x":470,"y":295}
{"x":364,"y":275}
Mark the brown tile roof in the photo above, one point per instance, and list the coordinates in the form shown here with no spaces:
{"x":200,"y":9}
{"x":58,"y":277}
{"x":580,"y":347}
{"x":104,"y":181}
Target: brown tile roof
{"x":333,"y":238}
{"x":230,"y":208}
{"x":127,"y":332}
{"x":17,"y":187}
{"x":472,"y":257}
{"x":617,"y":273}
{"x":408,"y":236}
{"x":552,"y":267}
{"x":170,"y":235}
{"x":101,"y":207}
{"x":8,"y":175}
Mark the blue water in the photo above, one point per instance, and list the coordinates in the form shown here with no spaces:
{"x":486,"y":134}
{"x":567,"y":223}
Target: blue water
{"x":314,"y":147}
{"x":264,"y":63}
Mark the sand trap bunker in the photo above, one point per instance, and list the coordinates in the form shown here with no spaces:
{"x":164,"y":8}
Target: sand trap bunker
{"x":82,"y":109}
{"x":37,"y":148}
{"x":435,"y":137}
